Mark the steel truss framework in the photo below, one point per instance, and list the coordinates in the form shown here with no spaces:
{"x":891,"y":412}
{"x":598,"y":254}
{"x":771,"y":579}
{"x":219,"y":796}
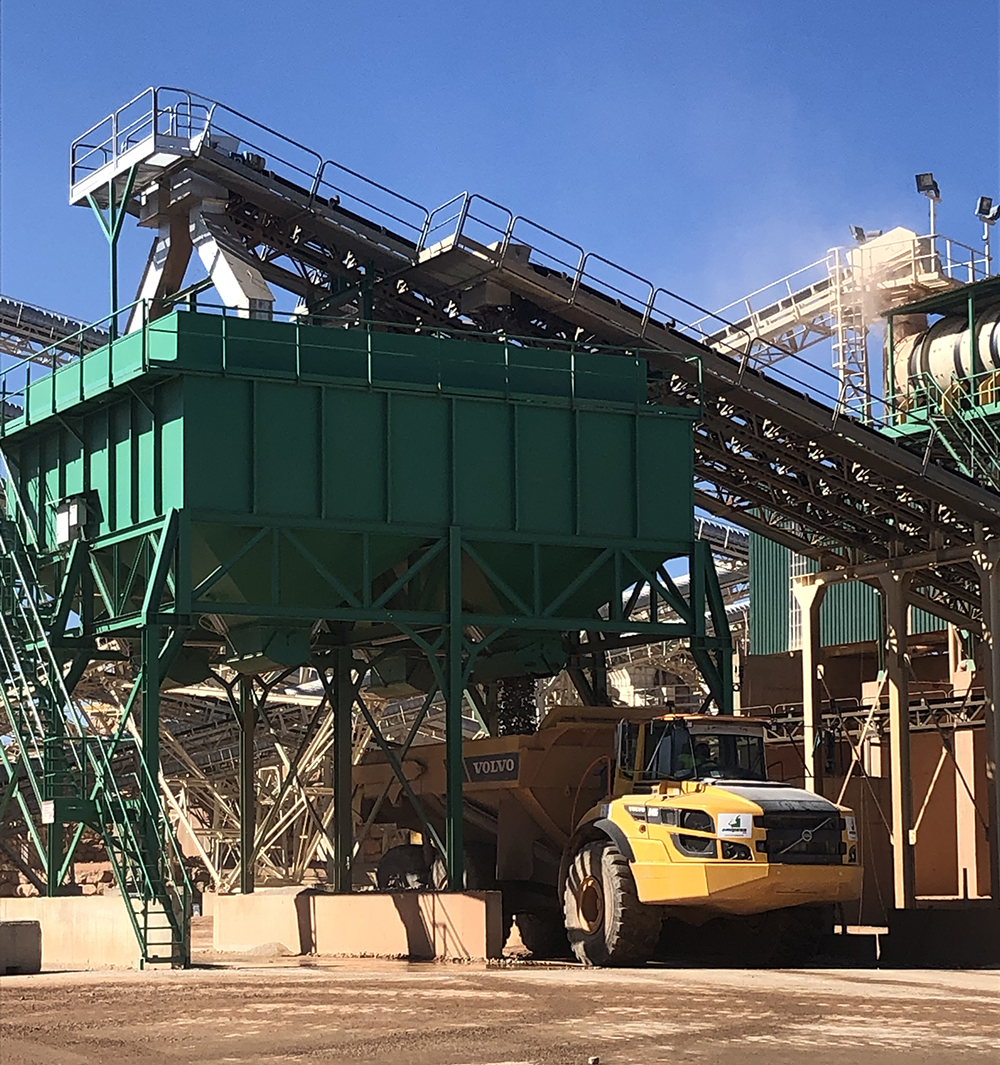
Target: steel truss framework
{"x":141,"y":592}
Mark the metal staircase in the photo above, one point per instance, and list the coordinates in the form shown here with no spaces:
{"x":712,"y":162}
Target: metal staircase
{"x":966,"y":431}
{"x":59,"y":766}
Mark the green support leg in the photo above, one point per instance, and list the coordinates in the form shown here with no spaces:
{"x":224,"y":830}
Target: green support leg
{"x":149,"y":732}
{"x":343,"y":769}
{"x":53,"y":860}
{"x":112,"y":227}
{"x":453,"y":718}
{"x":248,"y":794}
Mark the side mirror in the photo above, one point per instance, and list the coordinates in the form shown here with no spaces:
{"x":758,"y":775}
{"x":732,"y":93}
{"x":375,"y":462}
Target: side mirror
{"x":626,"y":744}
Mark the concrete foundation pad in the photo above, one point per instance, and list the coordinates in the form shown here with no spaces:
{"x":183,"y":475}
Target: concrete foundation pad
{"x":20,"y":947}
{"x":413,"y":924}
{"x":78,"y":931}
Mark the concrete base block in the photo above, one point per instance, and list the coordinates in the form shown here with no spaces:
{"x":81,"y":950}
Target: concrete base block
{"x":20,"y":947}
{"x":268,"y":918}
{"x":79,"y":931}
{"x":966,"y":938}
{"x":413,"y":924}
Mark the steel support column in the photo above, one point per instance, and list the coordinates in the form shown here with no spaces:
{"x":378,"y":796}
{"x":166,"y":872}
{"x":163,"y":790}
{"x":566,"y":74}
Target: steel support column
{"x":810,"y":599}
{"x":149,"y":738}
{"x":248,"y":795}
{"x":987,"y":559}
{"x":895,"y":589}
{"x":343,"y":770}
{"x":111,"y":226}
{"x":455,"y":812}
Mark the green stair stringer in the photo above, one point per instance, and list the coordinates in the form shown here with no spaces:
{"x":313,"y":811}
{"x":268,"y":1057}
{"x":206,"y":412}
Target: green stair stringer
{"x":60,"y":770}
{"x":967,"y":433}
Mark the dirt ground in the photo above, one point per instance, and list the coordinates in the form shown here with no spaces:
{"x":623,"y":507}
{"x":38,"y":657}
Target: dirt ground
{"x":271,"y":1011}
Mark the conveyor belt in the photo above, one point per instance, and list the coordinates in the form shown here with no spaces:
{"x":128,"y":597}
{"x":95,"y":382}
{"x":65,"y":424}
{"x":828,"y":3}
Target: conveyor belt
{"x":773,"y":454}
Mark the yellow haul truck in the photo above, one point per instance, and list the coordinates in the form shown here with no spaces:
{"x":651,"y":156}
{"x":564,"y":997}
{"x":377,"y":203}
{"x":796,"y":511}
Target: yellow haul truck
{"x":615,"y":835}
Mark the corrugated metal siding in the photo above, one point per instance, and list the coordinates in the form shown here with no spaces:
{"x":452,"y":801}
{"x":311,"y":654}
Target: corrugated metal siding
{"x":851,"y":613}
{"x":921,"y":621}
{"x":769,"y":596}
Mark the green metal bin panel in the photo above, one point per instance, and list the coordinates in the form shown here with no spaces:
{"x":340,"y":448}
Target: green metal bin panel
{"x":125,"y":454}
{"x":483,"y":476}
{"x":354,"y":425}
{"x":544,"y":445}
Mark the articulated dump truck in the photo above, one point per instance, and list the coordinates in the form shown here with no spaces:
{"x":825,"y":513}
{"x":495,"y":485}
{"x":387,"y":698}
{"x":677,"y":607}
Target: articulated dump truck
{"x":620,"y":839}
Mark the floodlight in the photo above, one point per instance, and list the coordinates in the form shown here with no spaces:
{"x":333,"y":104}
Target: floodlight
{"x":862,"y":236}
{"x":927,"y":186}
{"x":986,"y":211}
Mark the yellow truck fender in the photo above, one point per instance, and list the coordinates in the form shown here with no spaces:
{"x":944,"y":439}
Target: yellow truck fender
{"x":600,"y":829}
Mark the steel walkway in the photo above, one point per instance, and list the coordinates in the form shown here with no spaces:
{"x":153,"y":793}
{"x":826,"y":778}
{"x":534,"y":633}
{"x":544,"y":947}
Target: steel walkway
{"x":776,"y":452}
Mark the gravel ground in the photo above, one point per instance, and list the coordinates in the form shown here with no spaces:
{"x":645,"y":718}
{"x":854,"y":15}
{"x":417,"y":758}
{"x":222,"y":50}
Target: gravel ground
{"x":281,"y":1011}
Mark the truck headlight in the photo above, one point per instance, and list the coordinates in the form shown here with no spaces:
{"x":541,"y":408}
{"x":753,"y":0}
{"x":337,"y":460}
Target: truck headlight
{"x":736,"y":852}
{"x":695,"y":846}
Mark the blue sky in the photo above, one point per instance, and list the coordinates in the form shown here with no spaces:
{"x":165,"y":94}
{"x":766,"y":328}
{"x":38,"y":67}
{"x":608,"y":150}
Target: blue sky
{"x":710,"y":145}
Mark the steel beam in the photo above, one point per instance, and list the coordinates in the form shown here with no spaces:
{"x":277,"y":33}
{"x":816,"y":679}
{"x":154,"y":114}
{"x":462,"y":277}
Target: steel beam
{"x":343,"y":770}
{"x":895,"y":587}
{"x":455,"y":811}
{"x":987,"y":560}
{"x":810,"y":599}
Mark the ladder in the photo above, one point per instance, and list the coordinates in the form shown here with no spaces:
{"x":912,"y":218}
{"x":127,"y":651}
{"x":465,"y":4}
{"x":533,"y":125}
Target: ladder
{"x":64,"y":771}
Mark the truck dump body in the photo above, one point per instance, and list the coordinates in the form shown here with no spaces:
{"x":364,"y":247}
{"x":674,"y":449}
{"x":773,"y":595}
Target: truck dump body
{"x":517,"y":791}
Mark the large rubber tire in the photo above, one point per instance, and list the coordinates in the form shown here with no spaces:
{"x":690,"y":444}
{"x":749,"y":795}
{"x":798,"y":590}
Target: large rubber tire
{"x":606,"y":923}
{"x":543,"y":934}
{"x":403,"y":868}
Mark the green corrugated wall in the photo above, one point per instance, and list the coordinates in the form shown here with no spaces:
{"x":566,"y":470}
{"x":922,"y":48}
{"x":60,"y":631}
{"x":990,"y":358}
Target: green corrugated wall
{"x":770,"y":590}
{"x":850,"y":612}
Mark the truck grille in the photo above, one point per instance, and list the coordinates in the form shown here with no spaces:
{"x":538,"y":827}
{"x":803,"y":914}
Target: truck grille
{"x":802,"y":838}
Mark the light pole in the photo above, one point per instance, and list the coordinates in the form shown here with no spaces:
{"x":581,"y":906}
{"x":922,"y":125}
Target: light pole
{"x":927,"y":186}
{"x":987,"y":213}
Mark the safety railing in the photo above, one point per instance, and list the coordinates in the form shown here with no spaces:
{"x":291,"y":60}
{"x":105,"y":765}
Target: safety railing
{"x":577,"y":379}
{"x":475,"y":224}
{"x":957,"y":415}
{"x":484,"y":227}
{"x":174,"y":119}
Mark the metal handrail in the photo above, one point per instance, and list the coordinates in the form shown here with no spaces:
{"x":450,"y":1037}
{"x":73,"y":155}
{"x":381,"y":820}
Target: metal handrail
{"x":375,"y":328}
{"x":753,"y":351}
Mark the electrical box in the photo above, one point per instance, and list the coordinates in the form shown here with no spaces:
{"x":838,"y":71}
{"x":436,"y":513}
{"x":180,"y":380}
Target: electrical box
{"x":71,"y":517}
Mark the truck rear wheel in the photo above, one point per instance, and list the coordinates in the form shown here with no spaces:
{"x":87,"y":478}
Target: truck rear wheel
{"x":605,"y":921}
{"x":403,"y":868}
{"x":544,"y":934}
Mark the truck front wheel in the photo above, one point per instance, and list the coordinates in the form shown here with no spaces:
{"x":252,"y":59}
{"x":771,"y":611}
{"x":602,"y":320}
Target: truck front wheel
{"x":605,"y":921}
